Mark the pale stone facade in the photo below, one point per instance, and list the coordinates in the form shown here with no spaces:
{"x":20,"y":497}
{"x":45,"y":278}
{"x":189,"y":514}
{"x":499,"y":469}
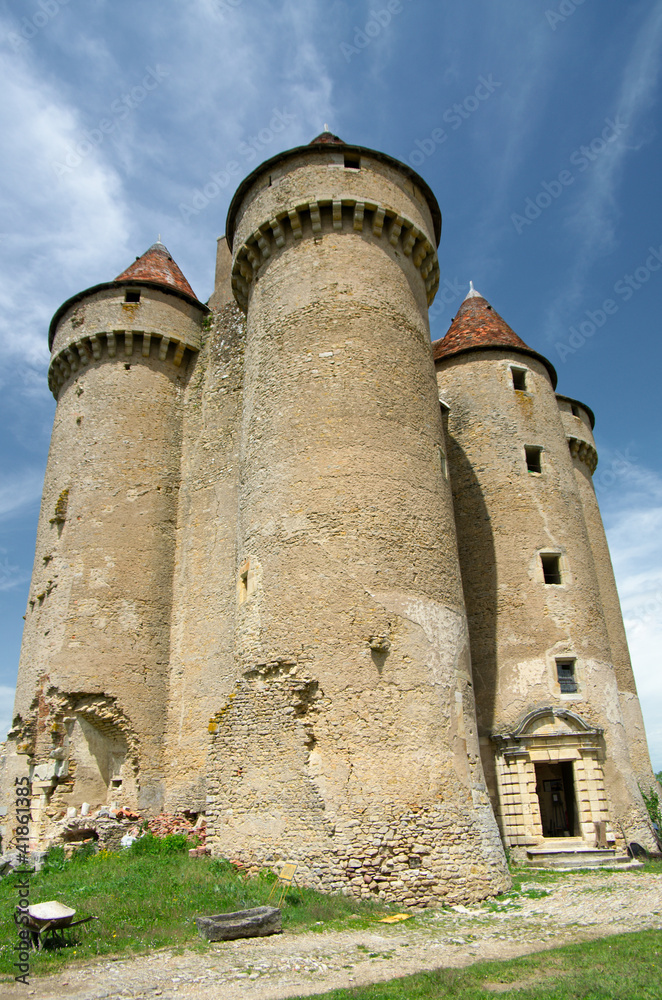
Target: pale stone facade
{"x":277,"y":583}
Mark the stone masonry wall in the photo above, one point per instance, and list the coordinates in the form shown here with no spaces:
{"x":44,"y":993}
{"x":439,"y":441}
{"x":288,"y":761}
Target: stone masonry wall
{"x":506,"y":517}
{"x":584,"y":460}
{"x":204,"y":600}
{"x":98,"y":617}
{"x":348,"y":564}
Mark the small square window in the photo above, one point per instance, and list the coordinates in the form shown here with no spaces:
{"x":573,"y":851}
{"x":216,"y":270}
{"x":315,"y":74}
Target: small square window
{"x":551,"y":567}
{"x":565,"y":672}
{"x":132,"y":295}
{"x":352,"y":161}
{"x":519,"y":378}
{"x":533,"y":456}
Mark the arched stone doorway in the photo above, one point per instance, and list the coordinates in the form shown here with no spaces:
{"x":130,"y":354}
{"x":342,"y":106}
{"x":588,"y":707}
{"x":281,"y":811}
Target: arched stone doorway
{"x":550,"y":780}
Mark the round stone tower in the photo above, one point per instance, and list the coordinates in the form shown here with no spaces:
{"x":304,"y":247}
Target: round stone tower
{"x":578,"y":422}
{"x":350,"y":739}
{"x":554,"y":742}
{"x":96,"y":640}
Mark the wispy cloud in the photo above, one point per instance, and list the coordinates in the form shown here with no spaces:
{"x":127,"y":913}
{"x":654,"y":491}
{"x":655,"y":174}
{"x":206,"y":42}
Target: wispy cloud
{"x":19,"y":491}
{"x":10,"y":575}
{"x":593,"y":223}
{"x":632,"y":511}
{"x":65,"y":223}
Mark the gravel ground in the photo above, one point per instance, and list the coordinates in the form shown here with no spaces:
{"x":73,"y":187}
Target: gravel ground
{"x":577,"y":907}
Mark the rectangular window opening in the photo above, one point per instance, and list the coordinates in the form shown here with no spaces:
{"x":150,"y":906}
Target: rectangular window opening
{"x":352,"y":161}
{"x":132,"y":295}
{"x":551,"y":567}
{"x":575,"y":410}
{"x":519,"y":378}
{"x":533,"y":458}
{"x":565,"y":671}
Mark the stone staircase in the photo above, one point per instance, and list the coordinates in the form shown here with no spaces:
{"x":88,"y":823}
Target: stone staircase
{"x":572,"y":852}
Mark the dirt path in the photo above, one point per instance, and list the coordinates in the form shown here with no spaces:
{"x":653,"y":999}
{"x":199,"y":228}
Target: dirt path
{"x":578,"y":907}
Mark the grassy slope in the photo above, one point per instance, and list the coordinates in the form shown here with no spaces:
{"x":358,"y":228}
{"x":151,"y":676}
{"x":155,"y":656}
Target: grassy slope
{"x":148,"y":900}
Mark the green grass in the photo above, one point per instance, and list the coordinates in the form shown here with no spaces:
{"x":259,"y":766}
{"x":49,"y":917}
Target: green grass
{"x":146,"y":897}
{"x":622,"y":967}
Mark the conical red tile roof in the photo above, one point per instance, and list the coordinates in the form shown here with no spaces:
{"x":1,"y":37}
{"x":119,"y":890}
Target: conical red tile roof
{"x":477,"y":326}
{"x":326,"y":138}
{"x":157,"y":265}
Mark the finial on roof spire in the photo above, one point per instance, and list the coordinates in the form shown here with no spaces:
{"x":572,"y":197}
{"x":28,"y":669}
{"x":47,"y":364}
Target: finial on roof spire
{"x":326,"y":127}
{"x":472,"y":293}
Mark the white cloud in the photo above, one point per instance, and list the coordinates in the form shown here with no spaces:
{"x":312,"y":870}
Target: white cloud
{"x":632,"y":512}
{"x":19,"y":491}
{"x":57,"y":229}
{"x":594,"y":218}
{"x":11,"y":576}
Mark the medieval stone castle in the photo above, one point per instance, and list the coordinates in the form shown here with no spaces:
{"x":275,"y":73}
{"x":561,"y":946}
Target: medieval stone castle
{"x":345,"y":592}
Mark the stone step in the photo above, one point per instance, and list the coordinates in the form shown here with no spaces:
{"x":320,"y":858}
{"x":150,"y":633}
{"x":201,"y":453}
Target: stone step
{"x":575,"y":857}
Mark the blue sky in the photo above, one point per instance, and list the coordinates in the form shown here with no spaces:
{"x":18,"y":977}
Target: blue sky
{"x":535,"y":122}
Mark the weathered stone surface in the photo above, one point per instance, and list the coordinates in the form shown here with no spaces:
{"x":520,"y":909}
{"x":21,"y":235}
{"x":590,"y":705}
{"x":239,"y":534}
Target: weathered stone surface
{"x":248,"y":599}
{"x":260,"y":921}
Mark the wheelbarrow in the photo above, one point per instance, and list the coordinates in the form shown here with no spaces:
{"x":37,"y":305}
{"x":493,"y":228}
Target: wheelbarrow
{"x":43,"y":919}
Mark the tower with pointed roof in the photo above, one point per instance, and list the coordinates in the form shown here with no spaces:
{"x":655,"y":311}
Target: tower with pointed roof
{"x":553,"y":694}
{"x":343,"y":593}
{"x":95,"y":655}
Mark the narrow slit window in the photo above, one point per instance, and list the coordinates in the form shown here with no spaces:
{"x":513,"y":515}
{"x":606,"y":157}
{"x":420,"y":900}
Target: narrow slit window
{"x":565,"y":672}
{"x":352,"y":161}
{"x":519,"y":378}
{"x":132,"y":295}
{"x":551,"y":567}
{"x":533,"y":458}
